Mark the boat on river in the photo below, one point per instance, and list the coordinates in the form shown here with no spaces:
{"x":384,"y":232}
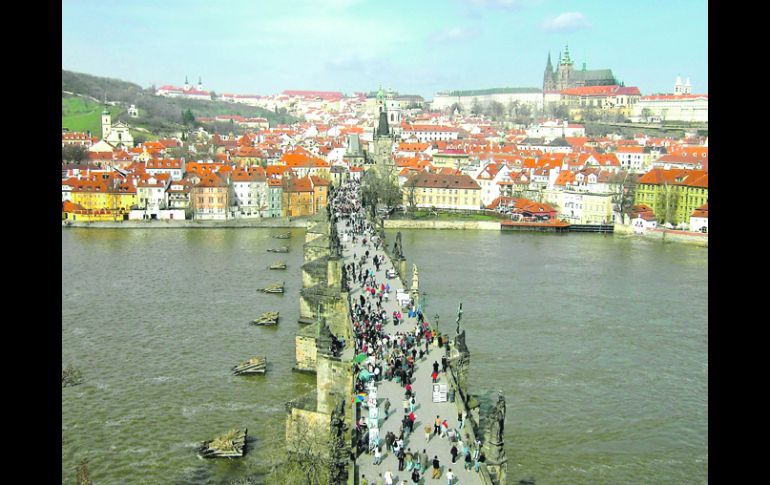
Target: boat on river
{"x":278,"y":265}
{"x":267,"y":318}
{"x":285,"y":235}
{"x":282,"y":249}
{"x":229,"y":445}
{"x":255,"y":365}
{"x":274,"y":288}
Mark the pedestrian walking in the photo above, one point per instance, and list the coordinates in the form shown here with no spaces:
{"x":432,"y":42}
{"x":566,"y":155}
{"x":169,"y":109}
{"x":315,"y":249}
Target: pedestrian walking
{"x":401,"y":455}
{"x":388,"y":477}
{"x":364,"y":481}
{"x":424,"y":461}
{"x":377,"y":455}
{"x":450,"y":477}
{"x":427,"y":433}
{"x":468,"y":461}
{"x":480,"y":461}
{"x":387,"y":408}
{"x":436,"y":468}
{"x":453,"y":452}
{"x":415,"y":476}
{"x":437,"y":425}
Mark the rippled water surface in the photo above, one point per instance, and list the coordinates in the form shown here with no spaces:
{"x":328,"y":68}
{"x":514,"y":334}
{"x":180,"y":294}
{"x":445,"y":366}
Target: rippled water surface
{"x":599,"y":344}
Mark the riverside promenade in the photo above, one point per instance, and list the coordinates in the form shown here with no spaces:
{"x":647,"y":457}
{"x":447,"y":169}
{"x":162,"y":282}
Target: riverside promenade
{"x":425,"y":410}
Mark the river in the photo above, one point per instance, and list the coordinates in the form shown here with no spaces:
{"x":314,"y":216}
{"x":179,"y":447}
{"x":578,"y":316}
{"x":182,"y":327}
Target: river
{"x":599,"y":343}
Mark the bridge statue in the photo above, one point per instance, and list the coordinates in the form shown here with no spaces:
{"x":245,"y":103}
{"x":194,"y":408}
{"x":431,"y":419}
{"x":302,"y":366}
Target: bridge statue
{"x":398,"y":252}
{"x":459,"y":316}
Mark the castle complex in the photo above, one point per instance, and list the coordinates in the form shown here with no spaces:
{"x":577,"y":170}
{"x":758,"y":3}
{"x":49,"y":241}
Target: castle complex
{"x":565,"y":76}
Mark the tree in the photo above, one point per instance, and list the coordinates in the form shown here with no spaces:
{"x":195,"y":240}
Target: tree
{"x":667,"y":202}
{"x":456,"y":107}
{"x":305,"y":460}
{"x":377,"y":188}
{"x":496,"y":110}
{"x":513,"y":108}
{"x":188,"y":119}
{"x":561,"y":112}
{"x":74,"y":154}
{"x":411,"y":185}
{"x":476,"y":107}
{"x":83,"y":476}
{"x":646,"y":113}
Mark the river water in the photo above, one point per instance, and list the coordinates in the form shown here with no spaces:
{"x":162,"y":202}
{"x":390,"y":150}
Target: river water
{"x":599,"y":344}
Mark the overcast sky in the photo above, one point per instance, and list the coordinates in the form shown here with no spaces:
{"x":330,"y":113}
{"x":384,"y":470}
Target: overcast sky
{"x":415,"y":47}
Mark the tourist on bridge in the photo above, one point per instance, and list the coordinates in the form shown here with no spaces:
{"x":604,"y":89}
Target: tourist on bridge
{"x":428,"y":433}
{"x":450,"y":477}
{"x":415,"y":476}
{"x":480,"y":461}
{"x":387,"y":407}
{"x":437,"y":425}
{"x":435,"y":366}
{"x":364,"y":481}
{"x":408,"y":458}
{"x":388,"y":477}
{"x":400,"y":455}
{"x":436,"y":468}
{"x":379,"y":480}
{"x":424,"y":459}
{"x":468,"y":460}
{"x":453,"y":452}
{"x":377,"y":455}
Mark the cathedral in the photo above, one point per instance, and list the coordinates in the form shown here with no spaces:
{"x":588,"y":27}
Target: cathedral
{"x":565,"y":76}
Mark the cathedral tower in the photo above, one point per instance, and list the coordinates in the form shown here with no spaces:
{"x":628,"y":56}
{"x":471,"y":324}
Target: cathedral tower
{"x":548,"y":80}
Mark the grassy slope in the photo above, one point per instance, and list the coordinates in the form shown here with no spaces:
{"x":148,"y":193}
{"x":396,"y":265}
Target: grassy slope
{"x":82,"y":115}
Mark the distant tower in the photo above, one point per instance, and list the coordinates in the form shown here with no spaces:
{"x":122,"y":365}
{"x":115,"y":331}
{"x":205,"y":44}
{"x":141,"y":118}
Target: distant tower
{"x":186,"y":84}
{"x":106,"y":121}
{"x":687,"y":87}
{"x":678,"y":86}
{"x":200,"y":84}
{"x":548,"y":80}
{"x":564,"y":70}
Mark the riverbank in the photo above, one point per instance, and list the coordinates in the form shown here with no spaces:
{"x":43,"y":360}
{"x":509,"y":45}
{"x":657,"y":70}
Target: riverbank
{"x":439,"y":224}
{"x":665,"y":235}
{"x":272,"y":222}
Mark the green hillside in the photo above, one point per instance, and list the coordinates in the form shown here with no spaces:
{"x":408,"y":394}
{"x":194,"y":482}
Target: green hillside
{"x":157,"y":115}
{"x":83,"y":115}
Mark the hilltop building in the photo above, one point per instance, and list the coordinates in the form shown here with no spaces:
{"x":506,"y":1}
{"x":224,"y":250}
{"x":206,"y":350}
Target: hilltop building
{"x":682,"y":105}
{"x":184,"y":92}
{"x":533,"y":97}
{"x":565,"y":76}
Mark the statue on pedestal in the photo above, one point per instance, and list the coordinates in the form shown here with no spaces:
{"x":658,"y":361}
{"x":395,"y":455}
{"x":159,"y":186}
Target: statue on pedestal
{"x":397,"y":249}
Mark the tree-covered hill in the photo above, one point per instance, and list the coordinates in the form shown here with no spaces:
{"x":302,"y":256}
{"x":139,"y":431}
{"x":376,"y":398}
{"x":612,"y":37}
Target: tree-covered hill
{"x":83,"y":94}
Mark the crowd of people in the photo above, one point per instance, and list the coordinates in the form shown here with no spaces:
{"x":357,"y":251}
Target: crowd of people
{"x":381,"y":355}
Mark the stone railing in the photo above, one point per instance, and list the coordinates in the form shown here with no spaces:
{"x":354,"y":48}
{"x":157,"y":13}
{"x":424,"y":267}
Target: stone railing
{"x":471,"y":428}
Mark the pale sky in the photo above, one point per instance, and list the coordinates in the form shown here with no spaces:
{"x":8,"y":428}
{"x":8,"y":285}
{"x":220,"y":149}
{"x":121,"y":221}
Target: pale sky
{"x":415,"y":47}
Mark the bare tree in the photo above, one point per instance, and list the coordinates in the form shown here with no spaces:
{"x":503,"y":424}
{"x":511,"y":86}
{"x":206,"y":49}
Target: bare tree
{"x":305,"y":460}
{"x":83,"y":476}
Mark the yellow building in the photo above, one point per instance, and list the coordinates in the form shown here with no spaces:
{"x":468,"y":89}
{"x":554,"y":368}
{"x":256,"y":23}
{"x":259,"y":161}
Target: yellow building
{"x":450,"y":159}
{"x":443,"y":191}
{"x":297,"y":197}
